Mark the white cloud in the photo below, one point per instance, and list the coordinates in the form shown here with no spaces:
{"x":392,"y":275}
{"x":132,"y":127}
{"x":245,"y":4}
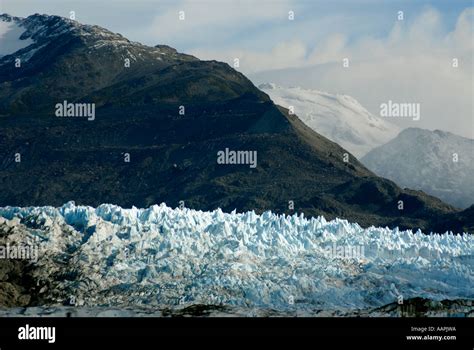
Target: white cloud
{"x":283,"y":55}
{"x":413,"y":63}
{"x":214,"y":20}
{"x":410,"y":61}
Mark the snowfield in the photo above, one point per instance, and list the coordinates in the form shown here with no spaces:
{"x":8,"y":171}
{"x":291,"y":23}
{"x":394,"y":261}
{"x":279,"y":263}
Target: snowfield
{"x":340,"y":118}
{"x":163,"y":257}
{"x":10,"y":33}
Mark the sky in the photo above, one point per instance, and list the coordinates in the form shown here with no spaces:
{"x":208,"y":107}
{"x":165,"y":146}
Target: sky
{"x":407,"y":60}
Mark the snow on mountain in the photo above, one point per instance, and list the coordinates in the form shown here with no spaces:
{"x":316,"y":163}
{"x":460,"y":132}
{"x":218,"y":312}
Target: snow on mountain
{"x":160,"y":257}
{"x":437,"y":162}
{"x":37,"y":28}
{"x":26,"y":36}
{"x":338,"y":117}
{"x":11,"y":30}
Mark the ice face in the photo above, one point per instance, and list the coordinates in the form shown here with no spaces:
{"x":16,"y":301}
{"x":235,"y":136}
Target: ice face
{"x":162,"y":256}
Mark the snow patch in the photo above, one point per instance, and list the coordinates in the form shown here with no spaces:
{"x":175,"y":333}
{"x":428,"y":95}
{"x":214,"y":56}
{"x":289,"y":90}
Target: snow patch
{"x":10,"y":33}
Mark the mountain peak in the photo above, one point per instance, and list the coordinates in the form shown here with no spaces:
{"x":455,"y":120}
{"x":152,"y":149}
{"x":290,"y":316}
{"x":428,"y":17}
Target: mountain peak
{"x":48,"y":44}
{"x":166,"y":48}
{"x":24,"y":37}
{"x":341,"y":118}
{"x":12,"y":35}
{"x":268,"y":86}
{"x":438,"y":162}
{"x":42,"y":29}
{"x":411,"y":131}
{"x":431,"y":134}
{"x":443,"y":133}
{"x":5,"y":17}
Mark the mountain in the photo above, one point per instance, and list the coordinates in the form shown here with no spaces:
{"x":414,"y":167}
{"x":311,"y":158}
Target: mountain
{"x":66,"y":59}
{"x":139,"y":150}
{"x":340,"y":118}
{"x":437,"y":162}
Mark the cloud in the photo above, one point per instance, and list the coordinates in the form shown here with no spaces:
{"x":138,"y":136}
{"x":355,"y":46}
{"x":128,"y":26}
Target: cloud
{"x":283,"y":55}
{"x":410,"y":62}
{"x":413,"y":63}
{"x":407,"y":60}
{"x":214,"y":22}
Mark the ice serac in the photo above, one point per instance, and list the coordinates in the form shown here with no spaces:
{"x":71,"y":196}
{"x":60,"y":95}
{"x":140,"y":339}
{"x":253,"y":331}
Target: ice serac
{"x":438,"y":162}
{"x":340,"y":118}
{"x":163,"y":257}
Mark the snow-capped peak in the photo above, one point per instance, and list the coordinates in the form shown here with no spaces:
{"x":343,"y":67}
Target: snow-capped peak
{"x":438,"y":162}
{"x":24,"y":37}
{"x":341,"y":118}
{"x":11,"y":35}
{"x":40,"y":27}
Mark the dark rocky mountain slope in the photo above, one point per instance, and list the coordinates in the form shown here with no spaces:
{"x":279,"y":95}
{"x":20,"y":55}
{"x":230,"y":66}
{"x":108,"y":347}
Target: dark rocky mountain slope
{"x":173,"y":157}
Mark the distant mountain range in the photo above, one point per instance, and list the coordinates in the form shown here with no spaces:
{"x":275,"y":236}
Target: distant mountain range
{"x":414,"y":158}
{"x":437,"y":162}
{"x":158,"y":128}
{"x":340,"y":118}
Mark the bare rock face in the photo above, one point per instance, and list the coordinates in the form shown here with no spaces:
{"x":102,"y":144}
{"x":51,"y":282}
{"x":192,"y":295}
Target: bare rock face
{"x":16,"y":282}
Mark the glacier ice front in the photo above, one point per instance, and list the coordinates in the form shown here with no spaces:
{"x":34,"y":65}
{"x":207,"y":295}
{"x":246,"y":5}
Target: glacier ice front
{"x":160,"y":257}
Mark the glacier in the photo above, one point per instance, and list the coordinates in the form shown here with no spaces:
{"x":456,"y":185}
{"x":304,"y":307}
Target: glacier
{"x":163,"y":257}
